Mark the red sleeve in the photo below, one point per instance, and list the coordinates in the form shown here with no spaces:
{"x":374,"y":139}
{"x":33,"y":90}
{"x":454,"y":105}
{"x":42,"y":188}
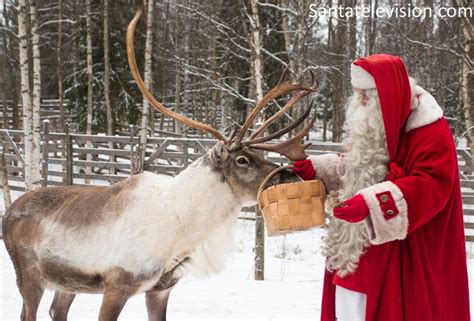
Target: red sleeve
{"x":430,"y":181}
{"x":399,"y":207}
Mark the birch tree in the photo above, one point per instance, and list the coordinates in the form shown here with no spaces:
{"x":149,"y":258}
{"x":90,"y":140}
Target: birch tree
{"x":177,"y":93}
{"x":36,"y":93}
{"x":340,"y":91}
{"x":3,"y":81}
{"x":10,"y":68}
{"x":147,"y":74}
{"x":466,"y":71}
{"x":59,"y":58}
{"x":186,"y":105}
{"x":25,"y":93}
{"x":108,"y":106}
{"x":89,"y":79}
{"x":255,"y":41}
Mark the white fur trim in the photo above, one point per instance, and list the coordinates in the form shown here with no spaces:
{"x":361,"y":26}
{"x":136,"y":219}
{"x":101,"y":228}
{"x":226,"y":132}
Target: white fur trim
{"x":386,"y":230}
{"x":329,"y":169}
{"x":361,"y":79}
{"x":425,"y":110}
{"x":350,"y":305}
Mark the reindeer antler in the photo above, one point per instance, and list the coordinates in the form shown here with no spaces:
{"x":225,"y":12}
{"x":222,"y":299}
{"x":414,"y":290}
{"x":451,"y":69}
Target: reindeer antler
{"x":279,"y":133}
{"x":281,"y":88}
{"x":291,"y":148}
{"x":149,"y":96}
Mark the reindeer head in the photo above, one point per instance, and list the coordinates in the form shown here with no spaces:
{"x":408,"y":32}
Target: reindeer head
{"x":238,"y":158}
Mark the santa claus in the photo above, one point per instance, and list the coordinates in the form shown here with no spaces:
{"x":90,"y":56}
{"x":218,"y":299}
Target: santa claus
{"x":395,"y":246}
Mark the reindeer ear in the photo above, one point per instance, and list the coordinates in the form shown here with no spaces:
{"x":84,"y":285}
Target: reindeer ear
{"x":219,"y":154}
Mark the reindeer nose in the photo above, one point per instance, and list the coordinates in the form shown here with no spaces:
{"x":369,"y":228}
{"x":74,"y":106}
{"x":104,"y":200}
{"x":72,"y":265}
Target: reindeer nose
{"x":286,"y":176}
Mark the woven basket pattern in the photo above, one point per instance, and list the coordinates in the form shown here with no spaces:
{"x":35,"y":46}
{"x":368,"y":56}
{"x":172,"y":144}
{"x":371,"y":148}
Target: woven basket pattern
{"x":293,"y":206}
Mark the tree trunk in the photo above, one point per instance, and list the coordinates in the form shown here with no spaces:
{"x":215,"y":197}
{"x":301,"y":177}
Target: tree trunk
{"x":25,"y":94}
{"x":177,"y":76}
{"x":465,"y":81}
{"x":4,"y":63}
{"x":36,"y":97}
{"x":287,"y":37}
{"x":89,"y":80}
{"x":256,"y":46}
{"x":147,"y":75}
{"x":60,"y":66}
{"x":371,"y":28}
{"x":10,"y":64}
{"x":339,"y":94}
{"x":186,"y":101}
{"x":108,"y":106}
{"x":330,"y":40}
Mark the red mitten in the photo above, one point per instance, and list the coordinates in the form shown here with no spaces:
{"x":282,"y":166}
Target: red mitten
{"x":304,"y":169}
{"x":353,"y":210}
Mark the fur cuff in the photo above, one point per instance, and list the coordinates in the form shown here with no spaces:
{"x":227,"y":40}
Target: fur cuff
{"x":388,"y":212}
{"x":329,"y":168}
{"x":361,"y":78}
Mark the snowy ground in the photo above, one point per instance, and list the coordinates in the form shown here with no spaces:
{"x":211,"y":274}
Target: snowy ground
{"x":292,"y":289}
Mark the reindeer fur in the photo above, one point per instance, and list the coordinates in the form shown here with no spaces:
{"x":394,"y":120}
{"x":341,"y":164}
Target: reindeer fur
{"x":140,"y":235}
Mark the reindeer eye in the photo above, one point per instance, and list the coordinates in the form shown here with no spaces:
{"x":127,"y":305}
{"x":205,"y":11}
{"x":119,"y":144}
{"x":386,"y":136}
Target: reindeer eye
{"x":242,"y":161}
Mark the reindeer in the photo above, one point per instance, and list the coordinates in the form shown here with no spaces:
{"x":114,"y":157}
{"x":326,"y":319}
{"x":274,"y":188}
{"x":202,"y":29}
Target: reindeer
{"x":145,"y":233}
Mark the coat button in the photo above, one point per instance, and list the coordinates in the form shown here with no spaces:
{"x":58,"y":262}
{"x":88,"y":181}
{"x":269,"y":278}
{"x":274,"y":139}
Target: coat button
{"x":384,"y":198}
{"x":390,"y":212}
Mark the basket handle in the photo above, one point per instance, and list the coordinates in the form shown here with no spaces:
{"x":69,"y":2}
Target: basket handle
{"x":272,"y":173}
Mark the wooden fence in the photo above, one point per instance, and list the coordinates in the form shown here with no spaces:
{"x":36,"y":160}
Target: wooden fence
{"x":65,"y":160}
{"x":49,"y":110}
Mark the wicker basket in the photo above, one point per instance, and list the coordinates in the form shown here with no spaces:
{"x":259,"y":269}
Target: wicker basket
{"x":291,"y":207}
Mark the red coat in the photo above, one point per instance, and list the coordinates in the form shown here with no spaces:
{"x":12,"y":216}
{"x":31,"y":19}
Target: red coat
{"x":416,"y":269}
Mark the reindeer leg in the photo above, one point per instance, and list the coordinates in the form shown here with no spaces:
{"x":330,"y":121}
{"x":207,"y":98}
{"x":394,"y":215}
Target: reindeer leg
{"x":31,"y":292}
{"x":112,"y":304}
{"x":120,"y":285}
{"x":157,"y":303}
{"x":60,"y":307}
{"x":157,"y":297}
{"x":28,"y":281}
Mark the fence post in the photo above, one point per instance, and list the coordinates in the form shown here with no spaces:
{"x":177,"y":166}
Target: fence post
{"x":69,"y":157}
{"x":259,"y":246}
{"x":7,"y":199}
{"x":133,"y":165}
{"x":143,"y":143}
{"x":185,"y":154}
{"x":44,"y":168}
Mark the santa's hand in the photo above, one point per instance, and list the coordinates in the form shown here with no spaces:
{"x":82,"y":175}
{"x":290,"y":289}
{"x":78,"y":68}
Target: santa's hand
{"x":353,"y":210}
{"x":304,"y":169}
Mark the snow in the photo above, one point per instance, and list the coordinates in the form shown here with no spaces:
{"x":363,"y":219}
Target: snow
{"x":292,"y":288}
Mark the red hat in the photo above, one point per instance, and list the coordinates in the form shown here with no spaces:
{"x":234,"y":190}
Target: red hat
{"x":388,"y":75}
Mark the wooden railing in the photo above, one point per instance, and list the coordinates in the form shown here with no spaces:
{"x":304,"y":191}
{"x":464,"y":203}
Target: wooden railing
{"x":49,"y":110}
{"x":65,"y":160}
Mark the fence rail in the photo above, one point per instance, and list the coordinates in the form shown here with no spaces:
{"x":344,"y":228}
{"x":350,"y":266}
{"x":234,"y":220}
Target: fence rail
{"x":81,"y":159}
{"x":49,"y":110}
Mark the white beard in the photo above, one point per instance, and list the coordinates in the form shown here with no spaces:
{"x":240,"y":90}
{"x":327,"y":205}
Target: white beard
{"x":365,"y":165}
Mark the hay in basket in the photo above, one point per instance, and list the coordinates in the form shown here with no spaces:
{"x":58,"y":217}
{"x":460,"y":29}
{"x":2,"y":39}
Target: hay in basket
{"x":291,"y":207}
